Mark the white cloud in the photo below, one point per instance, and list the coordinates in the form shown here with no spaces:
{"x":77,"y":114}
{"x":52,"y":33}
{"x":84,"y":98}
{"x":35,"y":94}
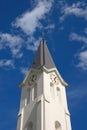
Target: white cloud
{"x":7,"y":63}
{"x":51,"y":26}
{"x":82,"y":56}
{"x":14,"y":43}
{"x":24,"y":70}
{"x":76,"y":37}
{"x":78,"y":9}
{"x":85,"y":30}
{"x":30,"y":21}
{"x":32,"y":44}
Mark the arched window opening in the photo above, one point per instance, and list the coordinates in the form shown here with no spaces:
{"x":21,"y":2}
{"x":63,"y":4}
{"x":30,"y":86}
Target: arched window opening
{"x":58,"y":91}
{"x":35,"y":91}
{"x":28,"y":95}
{"x":57,"y":125}
{"x":52,"y":90}
{"x":58,"y":94}
{"x":30,"y":126}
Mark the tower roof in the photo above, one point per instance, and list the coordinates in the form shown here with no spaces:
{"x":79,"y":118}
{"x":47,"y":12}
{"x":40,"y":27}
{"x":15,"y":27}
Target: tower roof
{"x":43,"y":57}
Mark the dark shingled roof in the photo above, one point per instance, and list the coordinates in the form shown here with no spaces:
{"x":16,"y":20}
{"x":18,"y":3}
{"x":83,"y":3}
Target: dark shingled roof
{"x":43,"y":57}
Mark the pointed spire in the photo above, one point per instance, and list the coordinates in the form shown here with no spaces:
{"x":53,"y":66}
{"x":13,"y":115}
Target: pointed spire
{"x":43,"y":57}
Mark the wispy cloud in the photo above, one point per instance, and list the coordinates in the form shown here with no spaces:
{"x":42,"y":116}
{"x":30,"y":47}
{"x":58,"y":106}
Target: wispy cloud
{"x":27,"y":24}
{"x":78,"y":9}
{"x":76,"y":95}
{"x":51,"y":26}
{"x":24,"y":70}
{"x":30,"y":21}
{"x":79,"y":38}
{"x":82,"y":54}
{"x":85,"y":30}
{"x":82,"y":57}
{"x":32,"y":43}
{"x":14,"y":43}
{"x":7,"y":63}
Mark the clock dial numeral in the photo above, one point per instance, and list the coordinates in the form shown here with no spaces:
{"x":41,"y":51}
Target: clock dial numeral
{"x":32,"y":78}
{"x":54,"y":79}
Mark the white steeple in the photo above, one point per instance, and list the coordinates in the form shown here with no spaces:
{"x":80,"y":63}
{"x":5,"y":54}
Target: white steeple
{"x":43,"y":104}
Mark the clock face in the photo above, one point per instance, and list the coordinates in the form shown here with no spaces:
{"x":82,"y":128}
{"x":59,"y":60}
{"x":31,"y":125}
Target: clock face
{"x":32,"y":78}
{"x":54,"y":79}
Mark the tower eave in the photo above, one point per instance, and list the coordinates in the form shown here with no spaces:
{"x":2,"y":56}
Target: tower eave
{"x":23,"y":83}
{"x":58,"y":74}
{"x":41,"y":69}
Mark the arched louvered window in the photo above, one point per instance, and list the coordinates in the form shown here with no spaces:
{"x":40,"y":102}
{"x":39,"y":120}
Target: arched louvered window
{"x":52,"y":91}
{"x":58,"y":91}
{"x":28,"y":95}
{"x":35,"y":91}
{"x":58,"y":94}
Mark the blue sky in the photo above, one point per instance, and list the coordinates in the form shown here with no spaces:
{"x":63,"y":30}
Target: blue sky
{"x":64,"y":24}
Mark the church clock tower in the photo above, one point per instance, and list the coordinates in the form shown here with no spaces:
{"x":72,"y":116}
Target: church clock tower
{"x":43,"y":104}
